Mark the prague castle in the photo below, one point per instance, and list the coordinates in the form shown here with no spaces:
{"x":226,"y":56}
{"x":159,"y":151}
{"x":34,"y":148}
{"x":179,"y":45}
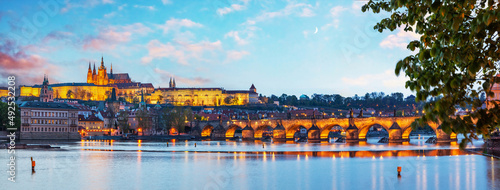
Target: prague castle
{"x":100,"y":84}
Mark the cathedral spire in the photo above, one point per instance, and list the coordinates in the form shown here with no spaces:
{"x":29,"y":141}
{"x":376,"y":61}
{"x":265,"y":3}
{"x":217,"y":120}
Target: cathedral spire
{"x":93,"y":72}
{"x":111,"y":71}
{"x":102,"y":61}
{"x":90,"y":70}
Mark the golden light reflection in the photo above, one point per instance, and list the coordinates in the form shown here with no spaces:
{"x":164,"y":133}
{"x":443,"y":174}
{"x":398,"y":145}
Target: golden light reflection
{"x":139,"y":143}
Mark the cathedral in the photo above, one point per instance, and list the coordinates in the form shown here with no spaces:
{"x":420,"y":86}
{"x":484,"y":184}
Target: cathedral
{"x":102,"y":77}
{"x":100,"y":84}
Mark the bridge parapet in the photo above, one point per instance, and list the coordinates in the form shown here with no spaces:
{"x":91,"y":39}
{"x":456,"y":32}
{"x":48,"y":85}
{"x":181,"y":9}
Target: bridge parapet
{"x":356,"y":129}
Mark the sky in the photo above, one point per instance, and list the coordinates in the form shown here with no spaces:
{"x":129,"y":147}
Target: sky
{"x":291,"y":47}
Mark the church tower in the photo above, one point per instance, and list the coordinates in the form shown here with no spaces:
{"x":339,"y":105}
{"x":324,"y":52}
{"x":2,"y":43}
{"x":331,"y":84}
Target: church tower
{"x":253,"y":89}
{"x":46,"y":93}
{"x":94,"y":75}
{"x":89,"y":75}
{"x":102,"y":74}
{"x":171,"y":84}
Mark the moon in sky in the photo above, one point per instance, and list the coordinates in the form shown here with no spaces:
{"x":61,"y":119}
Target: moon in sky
{"x":316,"y":30}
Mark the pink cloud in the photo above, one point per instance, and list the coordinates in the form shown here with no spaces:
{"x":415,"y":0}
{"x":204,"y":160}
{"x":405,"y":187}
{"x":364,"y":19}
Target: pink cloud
{"x":233,"y":55}
{"x":232,"y":8}
{"x":180,"y":51}
{"x":176,"y":24}
{"x":110,"y":37}
{"x":235,"y":35}
{"x":28,"y":69}
{"x":399,"y":40}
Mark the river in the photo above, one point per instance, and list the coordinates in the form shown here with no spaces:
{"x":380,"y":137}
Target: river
{"x":250,"y":165}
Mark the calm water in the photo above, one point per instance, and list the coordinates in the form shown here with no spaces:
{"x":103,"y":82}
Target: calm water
{"x":247,"y":165}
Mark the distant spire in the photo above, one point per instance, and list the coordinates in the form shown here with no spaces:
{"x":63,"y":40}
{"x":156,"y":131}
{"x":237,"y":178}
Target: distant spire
{"x":174,"y":83}
{"x":89,"y":67}
{"x":111,"y":68}
{"x":93,"y":73}
{"x":102,"y":61}
{"x":170,"y":83}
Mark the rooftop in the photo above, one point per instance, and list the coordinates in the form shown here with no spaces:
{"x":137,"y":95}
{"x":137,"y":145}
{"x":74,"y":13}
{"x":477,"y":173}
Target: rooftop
{"x":47,"y":105}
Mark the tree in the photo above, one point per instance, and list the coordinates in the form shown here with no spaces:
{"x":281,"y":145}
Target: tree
{"x":143,"y":119}
{"x":123,"y":121}
{"x":69,"y":94}
{"x":177,"y":118}
{"x":457,"y":57}
{"x":5,"y":117}
{"x":113,"y":95}
{"x":80,"y":93}
{"x":228,"y":100}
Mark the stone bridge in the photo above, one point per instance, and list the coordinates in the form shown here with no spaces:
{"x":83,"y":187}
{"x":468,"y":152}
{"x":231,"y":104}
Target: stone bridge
{"x":317,"y":129}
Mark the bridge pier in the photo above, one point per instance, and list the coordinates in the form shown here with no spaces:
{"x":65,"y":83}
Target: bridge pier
{"x":247,"y":132}
{"x":196,"y":131}
{"x":352,"y":134}
{"x":314,"y":133}
{"x":279,"y":133}
{"x":219,"y":132}
{"x":395,"y":133}
{"x":442,"y":137}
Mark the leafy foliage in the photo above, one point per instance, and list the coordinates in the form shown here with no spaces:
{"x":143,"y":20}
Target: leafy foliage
{"x":177,"y":118}
{"x":377,"y":100}
{"x":144,"y":119}
{"x":456,"y":58}
{"x":4,"y":116}
{"x":123,"y":121}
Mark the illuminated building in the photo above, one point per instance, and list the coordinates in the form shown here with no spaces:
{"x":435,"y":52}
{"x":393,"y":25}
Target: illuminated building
{"x":93,"y":126}
{"x":48,"y":120}
{"x":4,"y":92}
{"x":100,"y":83}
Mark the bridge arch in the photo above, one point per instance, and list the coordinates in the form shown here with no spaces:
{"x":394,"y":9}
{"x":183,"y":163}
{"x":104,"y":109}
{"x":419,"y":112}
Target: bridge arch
{"x":231,"y":130}
{"x":325,"y":132}
{"x":207,"y":131}
{"x":263,"y":131}
{"x":406,"y":132}
{"x":363,"y":130}
{"x":290,"y":133}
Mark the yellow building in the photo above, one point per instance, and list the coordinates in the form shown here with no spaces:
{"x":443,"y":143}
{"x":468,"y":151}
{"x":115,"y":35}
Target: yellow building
{"x":203,"y":96}
{"x":100,"y":84}
{"x":4,"y":91}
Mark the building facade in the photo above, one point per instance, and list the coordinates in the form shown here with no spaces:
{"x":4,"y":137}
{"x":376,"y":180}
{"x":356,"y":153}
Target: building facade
{"x":92,"y":126}
{"x":100,"y":83}
{"x":49,"y":120}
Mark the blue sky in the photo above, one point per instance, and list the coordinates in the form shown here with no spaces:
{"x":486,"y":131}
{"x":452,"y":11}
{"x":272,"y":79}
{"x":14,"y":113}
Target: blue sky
{"x":217,"y":43}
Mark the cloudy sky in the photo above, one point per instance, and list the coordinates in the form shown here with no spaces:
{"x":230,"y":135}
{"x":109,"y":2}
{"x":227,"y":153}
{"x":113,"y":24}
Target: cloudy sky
{"x":213,"y":43}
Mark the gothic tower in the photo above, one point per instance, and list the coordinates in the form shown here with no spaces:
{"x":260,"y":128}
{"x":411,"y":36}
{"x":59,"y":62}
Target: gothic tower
{"x":89,"y":75}
{"x":94,"y":75}
{"x":171,"y":84}
{"x":102,"y":74}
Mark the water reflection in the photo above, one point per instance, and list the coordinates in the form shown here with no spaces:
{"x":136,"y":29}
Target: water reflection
{"x":219,"y":165}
